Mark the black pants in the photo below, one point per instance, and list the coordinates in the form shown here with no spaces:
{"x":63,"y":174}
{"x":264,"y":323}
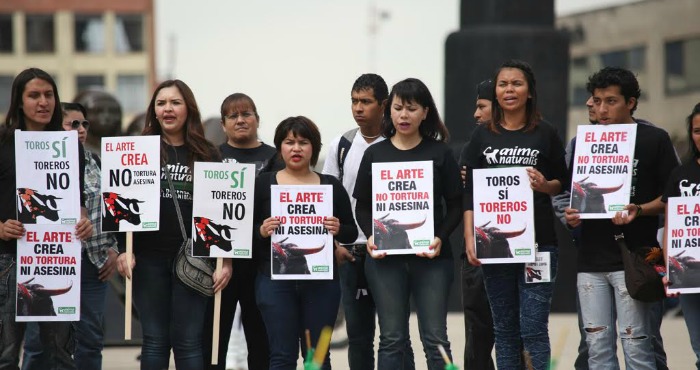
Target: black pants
{"x":478,"y":324}
{"x":241,"y":289}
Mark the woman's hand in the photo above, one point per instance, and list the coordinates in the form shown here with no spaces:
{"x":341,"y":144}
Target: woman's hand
{"x":332,"y":224}
{"x":123,"y":266}
{"x":221,"y":278}
{"x":269,"y":226}
{"x":372,"y":249}
{"x":471,"y":252}
{"x":624,"y":218}
{"x":435,"y":247}
{"x":83,"y":230}
{"x":11,"y":229}
{"x":537,"y":181}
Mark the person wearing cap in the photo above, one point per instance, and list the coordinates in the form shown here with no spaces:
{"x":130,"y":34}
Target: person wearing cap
{"x":478,"y":324}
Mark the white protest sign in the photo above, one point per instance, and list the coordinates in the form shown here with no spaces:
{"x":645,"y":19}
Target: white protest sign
{"x":48,"y":274}
{"x":602,"y":169}
{"x":683,"y":243}
{"x":540,"y":270}
{"x":222,"y":214}
{"x":504,"y":226}
{"x":48,"y":177}
{"x":301,"y":247}
{"x":131,"y":183}
{"x":402,"y":207}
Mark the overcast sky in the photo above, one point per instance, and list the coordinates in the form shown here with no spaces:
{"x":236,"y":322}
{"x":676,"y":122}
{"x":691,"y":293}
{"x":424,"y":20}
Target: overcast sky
{"x":301,"y":57}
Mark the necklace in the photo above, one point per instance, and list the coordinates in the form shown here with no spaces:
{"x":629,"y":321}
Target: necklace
{"x":370,"y":137}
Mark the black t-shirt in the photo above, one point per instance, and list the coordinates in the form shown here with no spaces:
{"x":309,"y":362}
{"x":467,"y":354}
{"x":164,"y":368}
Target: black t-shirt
{"x":540,"y":148}
{"x":341,"y":209}
{"x":446,"y":185}
{"x":654,"y":159}
{"x":264,"y":157}
{"x":684,"y":181}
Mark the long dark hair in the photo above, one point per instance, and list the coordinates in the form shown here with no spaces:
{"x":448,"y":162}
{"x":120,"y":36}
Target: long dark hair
{"x":14,"y":119}
{"x":199,"y":147}
{"x":414,"y":90}
{"x":532,"y":113}
{"x":692,"y":148}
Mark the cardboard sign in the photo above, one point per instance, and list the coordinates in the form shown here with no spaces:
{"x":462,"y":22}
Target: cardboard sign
{"x":602,"y":169}
{"x":540,"y":270}
{"x":222,"y":214}
{"x":48,"y":274}
{"x":683,"y":243}
{"x":301,"y":247}
{"x":504,"y":225}
{"x":131,"y":183}
{"x":48,"y":177}
{"x":402,"y":207}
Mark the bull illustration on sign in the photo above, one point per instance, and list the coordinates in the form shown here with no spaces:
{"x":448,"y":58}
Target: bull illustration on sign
{"x":35,"y":299}
{"x":492,"y":242}
{"x":209,"y":234}
{"x":587,"y":197}
{"x":117,"y":208}
{"x":31,"y":204}
{"x":391,"y":234}
{"x":289,"y":258}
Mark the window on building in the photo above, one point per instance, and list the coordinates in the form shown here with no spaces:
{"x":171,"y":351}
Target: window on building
{"x":131,"y":92}
{"x":682,"y":73}
{"x":128,"y":34}
{"x":40,"y":33}
{"x":90,"y":82}
{"x":578,"y":76}
{"x":89,"y":33}
{"x":5,"y":92}
{"x":5,"y":33}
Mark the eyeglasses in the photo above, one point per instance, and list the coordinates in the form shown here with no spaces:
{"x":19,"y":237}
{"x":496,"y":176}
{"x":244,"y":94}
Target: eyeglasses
{"x":74,"y":124}
{"x":245,"y":115}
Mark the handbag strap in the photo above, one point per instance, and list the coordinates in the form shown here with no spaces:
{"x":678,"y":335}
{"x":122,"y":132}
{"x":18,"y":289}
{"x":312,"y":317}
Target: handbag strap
{"x":177,"y":205}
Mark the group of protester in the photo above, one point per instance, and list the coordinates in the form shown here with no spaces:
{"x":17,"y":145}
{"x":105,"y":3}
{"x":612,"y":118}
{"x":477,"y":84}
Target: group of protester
{"x":399,"y":125}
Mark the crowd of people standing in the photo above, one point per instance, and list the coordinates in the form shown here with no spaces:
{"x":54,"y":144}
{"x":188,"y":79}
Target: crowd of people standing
{"x":401,"y":124}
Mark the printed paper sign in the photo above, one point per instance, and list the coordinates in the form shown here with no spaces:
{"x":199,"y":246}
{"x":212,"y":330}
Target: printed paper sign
{"x":504,"y":226}
{"x":222,"y":215}
{"x":402,"y":207}
{"x":602,"y":169}
{"x":130,"y":183}
{"x":538,"y":271}
{"x":48,"y":177}
{"x":301,"y":247}
{"x":48,"y":274}
{"x":683,"y":243}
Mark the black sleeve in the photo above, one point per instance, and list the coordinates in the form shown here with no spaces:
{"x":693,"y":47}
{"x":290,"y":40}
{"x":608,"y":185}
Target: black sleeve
{"x":342,"y":209}
{"x":668,"y":161}
{"x":363,"y":194}
{"x":81,"y":168}
{"x":559,"y":171}
{"x":470,"y":159}
{"x":451,"y":190}
{"x":261,"y":210}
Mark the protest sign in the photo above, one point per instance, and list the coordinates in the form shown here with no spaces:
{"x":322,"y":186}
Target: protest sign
{"x":301,"y":247}
{"x":602,"y":169}
{"x":539,"y":271}
{"x":222,"y":214}
{"x":131,"y":183}
{"x":683,"y":243}
{"x":504,"y":226}
{"x":47,"y":177}
{"x":48,"y":274}
{"x":402,"y":207}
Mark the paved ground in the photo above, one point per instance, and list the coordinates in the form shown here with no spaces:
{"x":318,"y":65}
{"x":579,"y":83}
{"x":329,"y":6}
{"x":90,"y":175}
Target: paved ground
{"x":563,"y":332}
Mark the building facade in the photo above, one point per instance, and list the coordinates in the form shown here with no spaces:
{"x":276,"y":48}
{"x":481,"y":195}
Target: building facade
{"x":95,"y":44}
{"x":657,"y":39}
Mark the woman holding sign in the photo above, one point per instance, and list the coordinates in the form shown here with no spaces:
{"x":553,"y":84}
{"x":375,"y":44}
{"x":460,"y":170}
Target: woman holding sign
{"x":289,"y":307}
{"x":172,"y":315}
{"x":685,"y":181}
{"x":517,"y":137}
{"x":34,"y":106}
{"x":415,"y":133}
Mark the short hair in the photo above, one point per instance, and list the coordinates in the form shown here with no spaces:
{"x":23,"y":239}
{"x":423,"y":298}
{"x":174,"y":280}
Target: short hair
{"x":14,"y":118}
{"x":372,"y":81}
{"x":616,"y":76}
{"x":414,"y":90}
{"x":299,"y":126}
{"x":693,"y":149}
{"x":74,"y":107}
{"x":485,"y":90}
{"x":237,"y":99}
{"x":532,"y":112}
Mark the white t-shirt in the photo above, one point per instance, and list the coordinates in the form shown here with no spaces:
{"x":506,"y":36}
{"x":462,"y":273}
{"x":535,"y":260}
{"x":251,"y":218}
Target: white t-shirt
{"x":350,"y":168}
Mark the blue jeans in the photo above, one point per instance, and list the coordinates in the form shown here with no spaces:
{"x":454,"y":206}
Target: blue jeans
{"x":288,"y":308}
{"x":359,"y":316}
{"x":598,"y":293}
{"x":520,"y":313}
{"x":56,"y":337}
{"x":172,"y":316}
{"x":393,"y":280}
{"x":690,"y":304}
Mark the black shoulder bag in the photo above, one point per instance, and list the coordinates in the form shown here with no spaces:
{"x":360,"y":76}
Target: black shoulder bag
{"x":642,"y":280}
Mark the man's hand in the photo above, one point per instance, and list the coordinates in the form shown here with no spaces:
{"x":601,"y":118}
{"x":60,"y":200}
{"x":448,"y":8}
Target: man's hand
{"x":343,"y":255}
{"x":572,"y":216}
{"x":11,"y":229}
{"x":110,"y":265}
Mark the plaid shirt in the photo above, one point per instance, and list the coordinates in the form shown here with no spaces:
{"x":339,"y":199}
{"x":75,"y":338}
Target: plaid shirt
{"x":97,"y":245}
